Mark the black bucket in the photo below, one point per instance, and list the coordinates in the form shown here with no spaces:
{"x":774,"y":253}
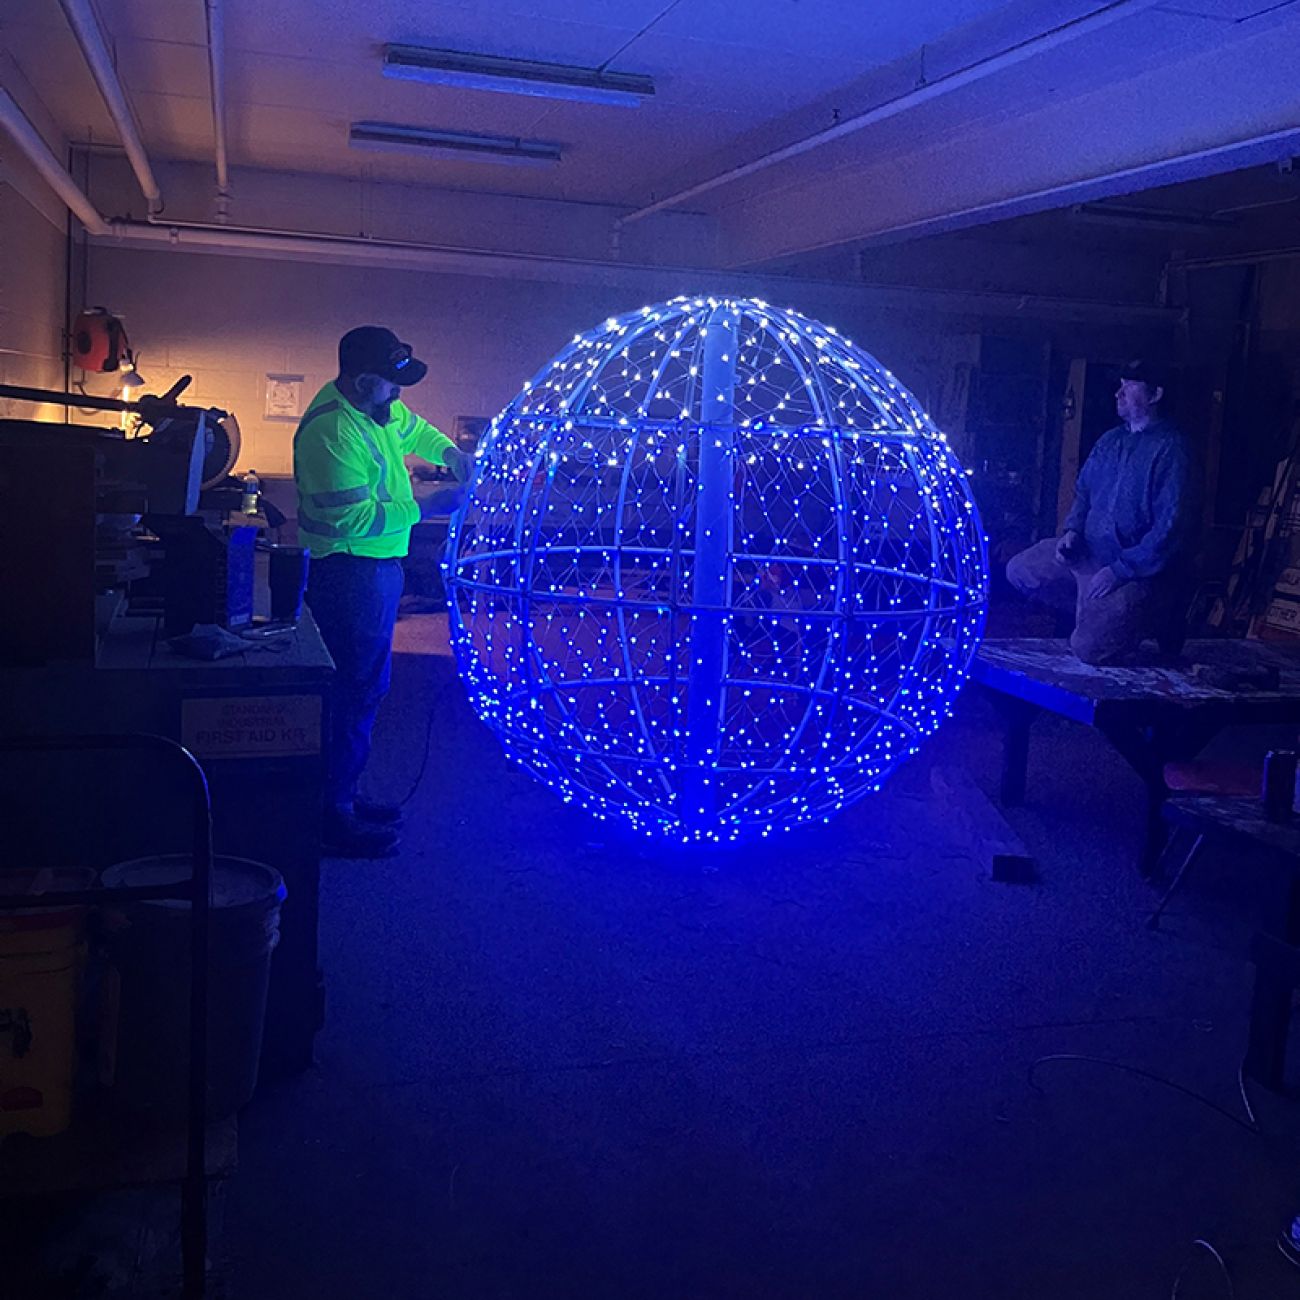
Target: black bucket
{"x":145,"y":1050}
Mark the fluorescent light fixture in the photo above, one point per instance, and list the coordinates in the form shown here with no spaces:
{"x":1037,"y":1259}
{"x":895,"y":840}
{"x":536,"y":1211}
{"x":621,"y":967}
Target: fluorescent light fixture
{"x":452,"y":144}
{"x":1127,"y":214}
{"x":516,"y":76}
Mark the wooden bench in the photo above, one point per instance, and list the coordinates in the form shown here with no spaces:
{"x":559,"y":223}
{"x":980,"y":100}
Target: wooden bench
{"x":1153,"y":713}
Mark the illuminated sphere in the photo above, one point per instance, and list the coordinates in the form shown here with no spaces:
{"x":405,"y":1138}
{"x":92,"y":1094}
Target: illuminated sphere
{"x":718,"y":572}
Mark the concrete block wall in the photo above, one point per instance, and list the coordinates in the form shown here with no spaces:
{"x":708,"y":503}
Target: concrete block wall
{"x":32,"y":252}
{"x":389,"y":210}
{"x":229,"y":322}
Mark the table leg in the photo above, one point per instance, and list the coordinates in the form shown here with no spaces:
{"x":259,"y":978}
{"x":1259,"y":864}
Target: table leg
{"x":1146,"y":749}
{"x":1157,"y":833}
{"x":1141,"y":749}
{"x":1018,"y":717}
{"x":1277,"y":974}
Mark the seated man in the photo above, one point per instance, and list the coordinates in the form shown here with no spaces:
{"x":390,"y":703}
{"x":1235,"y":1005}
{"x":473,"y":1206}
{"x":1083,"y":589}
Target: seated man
{"x":1124,"y":556}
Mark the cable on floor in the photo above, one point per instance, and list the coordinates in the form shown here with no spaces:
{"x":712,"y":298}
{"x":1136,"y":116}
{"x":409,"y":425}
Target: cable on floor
{"x":1250,"y":1124}
{"x":428,"y":746}
{"x":1218,"y":1259}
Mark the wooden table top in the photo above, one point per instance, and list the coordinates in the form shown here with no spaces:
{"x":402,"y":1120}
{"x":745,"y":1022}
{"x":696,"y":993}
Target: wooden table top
{"x":137,"y":643}
{"x":1045,"y":672}
{"x":1234,"y":818}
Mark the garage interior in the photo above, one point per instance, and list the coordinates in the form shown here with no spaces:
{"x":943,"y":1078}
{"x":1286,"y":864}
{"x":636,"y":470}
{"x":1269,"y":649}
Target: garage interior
{"x":1014,"y":1025}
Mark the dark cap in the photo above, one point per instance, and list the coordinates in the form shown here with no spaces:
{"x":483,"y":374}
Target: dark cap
{"x":373,"y":350}
{"x":1150,"y":373}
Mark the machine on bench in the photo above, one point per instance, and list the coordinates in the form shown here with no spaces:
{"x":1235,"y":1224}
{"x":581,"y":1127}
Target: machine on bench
{"x":88,"y":508}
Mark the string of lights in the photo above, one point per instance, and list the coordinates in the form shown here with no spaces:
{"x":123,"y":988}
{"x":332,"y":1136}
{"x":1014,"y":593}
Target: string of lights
{"x":718,"y":572}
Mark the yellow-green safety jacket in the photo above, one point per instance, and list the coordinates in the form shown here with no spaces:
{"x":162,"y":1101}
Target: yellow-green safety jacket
{"x":354,"y":492}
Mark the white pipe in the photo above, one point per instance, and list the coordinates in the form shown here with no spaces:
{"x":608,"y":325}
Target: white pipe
{"x":217,"y":78}
{"x":449,"y":260}
{"x":32,"y":144}
{"x":351,"y":250}
{"x":85,"y":27}
{"x":944,"y":85}
{"x":1232,"y":259}
{"x":338,"y":249}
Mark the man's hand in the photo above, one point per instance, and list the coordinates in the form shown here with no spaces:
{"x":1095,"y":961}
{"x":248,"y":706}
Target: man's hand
{"x":1103,"y":583}
{"x":445,"y":501}
{"x":461,"y":463}
{"x":1070,"y":547}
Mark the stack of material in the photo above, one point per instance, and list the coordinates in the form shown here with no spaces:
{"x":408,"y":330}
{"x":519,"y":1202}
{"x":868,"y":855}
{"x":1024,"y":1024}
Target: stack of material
{"x":1262,"y":594}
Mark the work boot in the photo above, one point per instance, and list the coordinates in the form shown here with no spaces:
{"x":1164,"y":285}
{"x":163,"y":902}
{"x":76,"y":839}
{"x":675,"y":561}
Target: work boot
{"x":345,"y":835}
{"x":380,"y":814}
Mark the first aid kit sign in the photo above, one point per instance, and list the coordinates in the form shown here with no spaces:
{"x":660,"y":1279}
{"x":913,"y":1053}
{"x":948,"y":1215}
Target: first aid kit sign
{"x":252,"y":726}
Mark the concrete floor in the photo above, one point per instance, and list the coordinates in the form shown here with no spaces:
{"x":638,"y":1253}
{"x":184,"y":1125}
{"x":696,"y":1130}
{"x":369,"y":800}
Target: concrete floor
{"x":559,"y":1067}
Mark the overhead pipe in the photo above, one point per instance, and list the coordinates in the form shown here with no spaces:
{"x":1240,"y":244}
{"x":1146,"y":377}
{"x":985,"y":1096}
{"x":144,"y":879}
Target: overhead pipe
{"x":447,"y":259}
{"x":85,"y":26}
{"x":217,"y":79}
{"x":1232,"y":259}
{"x":32,"y":144}
{"x":187,"y":236}
{"x":1183,"y":265}
{"x":940,"y":86}
{"x":336,"y":249}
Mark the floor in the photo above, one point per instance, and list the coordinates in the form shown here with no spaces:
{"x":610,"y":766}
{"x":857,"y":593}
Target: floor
{"x":557,"y":1066}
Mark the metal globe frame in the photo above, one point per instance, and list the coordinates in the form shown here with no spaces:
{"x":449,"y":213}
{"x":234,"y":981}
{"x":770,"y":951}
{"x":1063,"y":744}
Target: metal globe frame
{"x":717,"y":573}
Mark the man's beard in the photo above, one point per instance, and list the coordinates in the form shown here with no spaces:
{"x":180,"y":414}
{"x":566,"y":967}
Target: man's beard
{"x":382,"y":412}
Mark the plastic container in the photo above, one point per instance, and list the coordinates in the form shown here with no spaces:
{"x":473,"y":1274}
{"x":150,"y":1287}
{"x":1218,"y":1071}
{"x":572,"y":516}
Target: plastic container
{"x":249,"y":498}
{"x":288,"y":567}
{"x":145,"y":1039}
{"x":1278,"y":791}
{"x":41,"y":953}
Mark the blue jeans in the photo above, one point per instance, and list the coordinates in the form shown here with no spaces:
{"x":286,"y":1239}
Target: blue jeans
{"x":354,"y":602}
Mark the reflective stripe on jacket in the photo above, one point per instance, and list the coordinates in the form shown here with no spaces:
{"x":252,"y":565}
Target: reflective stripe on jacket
{"x":354,"y":492}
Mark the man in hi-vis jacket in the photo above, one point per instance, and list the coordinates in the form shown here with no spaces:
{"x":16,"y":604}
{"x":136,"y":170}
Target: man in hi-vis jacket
{"x":355,"y":513}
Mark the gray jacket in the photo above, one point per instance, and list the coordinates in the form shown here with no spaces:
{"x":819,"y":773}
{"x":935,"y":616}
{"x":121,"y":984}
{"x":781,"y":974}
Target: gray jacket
{"x":1134,"y":501}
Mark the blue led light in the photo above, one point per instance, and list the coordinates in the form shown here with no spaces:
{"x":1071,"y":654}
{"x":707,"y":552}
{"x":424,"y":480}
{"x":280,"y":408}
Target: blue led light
{"x":718,"y":573}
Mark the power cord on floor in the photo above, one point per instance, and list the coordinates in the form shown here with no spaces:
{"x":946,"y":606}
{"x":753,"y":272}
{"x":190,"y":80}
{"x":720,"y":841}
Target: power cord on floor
{"x":428,"y":746}
{"x":1218,"y":1259}
{"x":1250,"y":1123}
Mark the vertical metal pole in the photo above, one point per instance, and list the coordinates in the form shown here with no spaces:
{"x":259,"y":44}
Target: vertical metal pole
{"x":713,"y":525}
{"x":194,"y":1189}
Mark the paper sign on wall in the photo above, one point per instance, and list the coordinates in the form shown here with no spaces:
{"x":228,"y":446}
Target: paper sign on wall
{"x":283,"y":397}
{"x":251,"y":726}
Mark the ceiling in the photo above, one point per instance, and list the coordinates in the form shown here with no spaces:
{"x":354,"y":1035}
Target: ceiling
{"x":732,"y":81}
{"x":300,"y":71}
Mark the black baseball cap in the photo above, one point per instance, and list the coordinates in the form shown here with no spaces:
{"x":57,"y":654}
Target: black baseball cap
{"x":1150,"y":373}
{"x":373,"y":350}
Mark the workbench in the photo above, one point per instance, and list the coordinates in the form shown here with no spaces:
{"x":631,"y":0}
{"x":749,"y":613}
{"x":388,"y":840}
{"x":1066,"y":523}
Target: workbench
{"x":254,"y":720}
{"x":1152,"y":713}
